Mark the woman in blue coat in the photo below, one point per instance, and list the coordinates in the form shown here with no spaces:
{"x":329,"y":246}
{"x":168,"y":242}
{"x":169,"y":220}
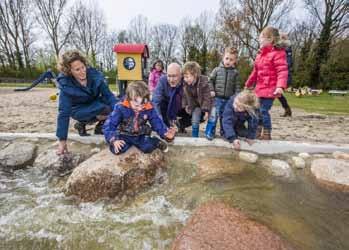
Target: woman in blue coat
{"x":84,"y":96}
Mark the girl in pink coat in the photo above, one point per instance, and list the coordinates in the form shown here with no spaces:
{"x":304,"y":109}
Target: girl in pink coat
{"x":269,"y":76}
{"x":155,"y":73}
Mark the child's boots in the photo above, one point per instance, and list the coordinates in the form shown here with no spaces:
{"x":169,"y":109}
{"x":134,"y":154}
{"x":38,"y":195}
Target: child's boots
{"x":266,"y":134}
{"x":195,"y":130}
{"x":210,"y":130}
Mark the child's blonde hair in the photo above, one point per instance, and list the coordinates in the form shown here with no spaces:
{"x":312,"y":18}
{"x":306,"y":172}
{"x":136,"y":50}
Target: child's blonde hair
{"x":249,"y":101}
{"x":271,"y":34}
{"x":137,"y":89}
{"x":192,"y":68}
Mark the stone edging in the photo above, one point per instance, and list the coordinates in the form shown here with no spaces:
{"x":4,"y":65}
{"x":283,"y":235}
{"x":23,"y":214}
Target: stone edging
{"x":260,"y":147}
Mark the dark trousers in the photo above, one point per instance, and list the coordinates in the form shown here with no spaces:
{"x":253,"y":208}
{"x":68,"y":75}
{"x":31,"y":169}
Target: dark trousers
{"x":283,"y":102}
{"x":183,"y":117}
{"x":144,"y":143}
{"x":265,"y":106}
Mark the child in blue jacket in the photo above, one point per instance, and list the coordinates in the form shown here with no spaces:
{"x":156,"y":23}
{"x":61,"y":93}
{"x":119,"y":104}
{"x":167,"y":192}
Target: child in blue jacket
{"x":241,"y":109}
{"x":128,"y":125}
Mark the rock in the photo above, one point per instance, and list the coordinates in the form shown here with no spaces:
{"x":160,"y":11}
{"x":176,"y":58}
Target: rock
{"x":17,"y":155}
{"x":341,"y":155}
{"x":95,"y":150}
{"x":211,"y":167}
{"x":304,"y":155}
{"x":318,"y":156}
{"x":332,"y":173}
{"x":248,"y":157}
{"x":107,"y":175}
{"x":298,"y":162}
{"x":280,"y":169}
{"x":215,"y":225}
{"x":58,"y":165}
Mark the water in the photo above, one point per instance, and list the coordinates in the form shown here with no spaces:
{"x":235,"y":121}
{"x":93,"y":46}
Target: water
{"x":35,"y":214}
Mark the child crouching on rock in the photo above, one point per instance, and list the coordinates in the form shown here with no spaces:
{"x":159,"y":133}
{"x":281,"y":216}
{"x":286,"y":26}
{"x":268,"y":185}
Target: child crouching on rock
{"x":240,"y":109}
{"x":128,"y":125}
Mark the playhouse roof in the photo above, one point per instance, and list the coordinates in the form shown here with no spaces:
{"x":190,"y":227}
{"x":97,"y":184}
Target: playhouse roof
{"x":132,"y":48}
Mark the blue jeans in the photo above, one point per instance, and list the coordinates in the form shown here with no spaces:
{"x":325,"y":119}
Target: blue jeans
{"x":144,"y":143}
{"x":265,"y":106}
{"x":219,"y":104}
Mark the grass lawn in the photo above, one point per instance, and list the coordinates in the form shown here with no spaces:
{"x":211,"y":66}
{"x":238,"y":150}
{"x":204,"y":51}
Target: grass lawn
{"x":324,"y":103}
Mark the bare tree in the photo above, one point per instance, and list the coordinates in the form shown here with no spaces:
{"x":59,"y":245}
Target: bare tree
{"x":163,"y":42}
{"x":333,"y":17}
{"x":138,"y":30}
{"x":89,"y":30}
{"x":244,"y":20}
{"x":107,"y":55}
{"x":54,"y":22}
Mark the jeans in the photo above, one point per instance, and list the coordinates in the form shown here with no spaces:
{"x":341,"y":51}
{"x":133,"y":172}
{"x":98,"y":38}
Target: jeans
{"x":265,"y":106}
{"x":219,"y":104}
{"x":145,"y":143}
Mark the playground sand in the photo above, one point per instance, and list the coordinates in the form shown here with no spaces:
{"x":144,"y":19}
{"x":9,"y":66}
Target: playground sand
{"x":32,"y":111}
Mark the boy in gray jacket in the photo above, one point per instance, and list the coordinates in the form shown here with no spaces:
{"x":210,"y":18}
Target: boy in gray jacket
{"x":224,"y":83}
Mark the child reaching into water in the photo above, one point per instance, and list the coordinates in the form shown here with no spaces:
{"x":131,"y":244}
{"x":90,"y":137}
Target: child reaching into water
{"x":241,"y":109}
{"x":128,"y":125}
{"x":269,"y":75}
{"x":197,"y":99}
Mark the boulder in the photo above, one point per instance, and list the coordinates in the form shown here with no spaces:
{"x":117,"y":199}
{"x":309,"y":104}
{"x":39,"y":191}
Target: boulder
{"x":341,"y":155}
{"x":331,"y":173}
{"x":17,"y":155}
{"x":216,"y":225}
{"x":298,"y":162}
{"x":280,"y":169}
{"x":58,"y":165}
{"x":105,"y":175}
{"x":248,"y":157}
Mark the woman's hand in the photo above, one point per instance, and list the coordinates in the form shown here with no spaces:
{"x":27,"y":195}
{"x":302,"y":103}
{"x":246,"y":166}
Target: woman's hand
{"x":236,"y":144}
{"x":118,"y":144}
{"x":62,"y":148}
{"x":278,"y":91}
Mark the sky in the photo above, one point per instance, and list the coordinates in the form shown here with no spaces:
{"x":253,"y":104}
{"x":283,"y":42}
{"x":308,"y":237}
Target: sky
{"x":119,"y":13}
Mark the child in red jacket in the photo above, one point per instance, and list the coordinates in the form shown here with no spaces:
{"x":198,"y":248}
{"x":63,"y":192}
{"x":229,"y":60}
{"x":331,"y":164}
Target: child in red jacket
{"x":269,"y":75}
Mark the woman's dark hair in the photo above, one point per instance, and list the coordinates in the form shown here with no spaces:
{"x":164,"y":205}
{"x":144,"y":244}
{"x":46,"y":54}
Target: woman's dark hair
{"x":65,"y":60}
{"x":160,"y":62}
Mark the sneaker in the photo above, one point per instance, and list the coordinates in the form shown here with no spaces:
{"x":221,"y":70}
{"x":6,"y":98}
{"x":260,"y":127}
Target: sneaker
{"x":163,"y":146}
{"x":81,"y":128}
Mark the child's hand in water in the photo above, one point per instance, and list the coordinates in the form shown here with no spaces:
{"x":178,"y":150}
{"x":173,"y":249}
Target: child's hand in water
{"x":170,"y":134}
{"x":249,"y":141}
{"x":236,"y":144}
{"x":118,"y":144}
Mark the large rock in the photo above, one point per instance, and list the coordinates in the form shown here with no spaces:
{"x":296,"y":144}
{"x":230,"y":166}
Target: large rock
{"x":107,"y":175}
{"x":281,"y":168}
{"x":17,"y":155}
{"x":60,"y":165}
{"x":248,"y":157}
{"x":218,"y":226}
{"x":332,"y":173}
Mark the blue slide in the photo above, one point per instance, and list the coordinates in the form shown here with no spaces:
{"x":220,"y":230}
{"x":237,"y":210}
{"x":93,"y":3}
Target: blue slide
{"x":48,"y":75}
